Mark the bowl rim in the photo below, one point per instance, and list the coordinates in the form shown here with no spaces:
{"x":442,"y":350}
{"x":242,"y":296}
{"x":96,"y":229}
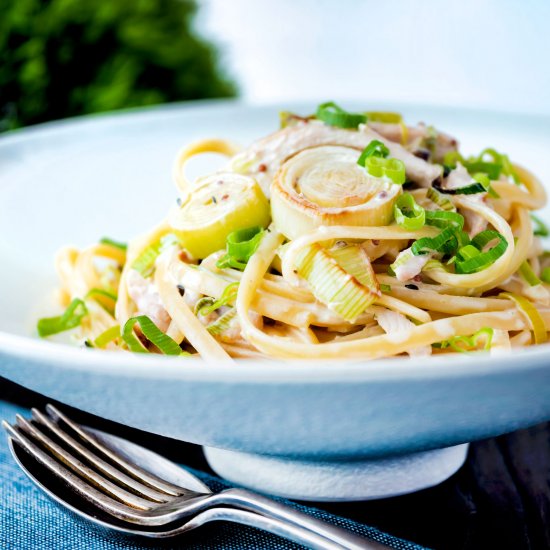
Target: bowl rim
{"x":154,"y":366}
{"x":257,"y":370}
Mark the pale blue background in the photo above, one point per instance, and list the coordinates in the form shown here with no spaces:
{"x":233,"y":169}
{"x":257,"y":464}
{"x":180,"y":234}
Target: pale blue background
{"x":487,"y":53}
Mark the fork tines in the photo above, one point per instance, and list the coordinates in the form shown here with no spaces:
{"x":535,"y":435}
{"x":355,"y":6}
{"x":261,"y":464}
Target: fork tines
{"x":90,"y":467}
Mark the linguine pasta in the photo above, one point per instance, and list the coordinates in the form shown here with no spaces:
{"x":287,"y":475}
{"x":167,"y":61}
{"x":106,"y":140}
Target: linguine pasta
{"x":340,"y":235}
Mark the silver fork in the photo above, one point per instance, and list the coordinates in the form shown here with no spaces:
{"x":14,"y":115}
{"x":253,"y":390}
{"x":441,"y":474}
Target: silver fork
{"x":128,"y":492}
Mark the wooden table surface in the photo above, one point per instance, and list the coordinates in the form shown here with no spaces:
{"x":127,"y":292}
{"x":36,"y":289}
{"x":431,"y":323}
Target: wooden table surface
{"x":500,"y":499}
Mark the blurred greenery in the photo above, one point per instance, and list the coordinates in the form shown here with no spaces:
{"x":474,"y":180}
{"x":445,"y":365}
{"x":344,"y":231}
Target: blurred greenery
{"x":61,"y":58}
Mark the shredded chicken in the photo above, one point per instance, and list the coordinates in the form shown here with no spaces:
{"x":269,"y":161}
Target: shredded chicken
{"x":459,"y":177}
{"x":264,"y":157}
{"x":474,"y":223}
{"x":536,"y":293}
{"x":416,"y":138}
{"x":412,"y":267}
{"x":145,"y":295}
{"x":395,"y":323}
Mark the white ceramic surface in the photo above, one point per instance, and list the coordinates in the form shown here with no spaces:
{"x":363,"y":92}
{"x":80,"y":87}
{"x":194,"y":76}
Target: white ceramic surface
{"x":76,"y":181}
{"x":335,"y":481}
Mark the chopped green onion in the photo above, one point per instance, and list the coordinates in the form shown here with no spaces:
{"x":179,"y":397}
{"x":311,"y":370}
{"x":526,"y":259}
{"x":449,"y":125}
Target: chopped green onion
{"x":486,"y":182}
{"x":241,"y":244}
{"x":107,"y":336}
{"x":502,"y":160}
{"x":408,"y":214}
{"x":374,"y":149}
{"x":333,"y":115}
{"x":440,"y":199}
{"x":500,"y":164}
{"x":540,"y":227}
{"x":331,"y":284}
{"x":444,"y":219}
{"x":526,"y":271}
{"x":491,"y":170}
{"x":442,"y":242}
{"x":144,"y":264}
{"x":395,"y":170}
{"x":222,"y":323}
{"x":111,"y":242}
{"x":375,"y":166}
{"x":100,"y":292}
{"x":71,"y":318}
{"x":203,"y":303}
{"x":103,"y":297}
{"x":158,"y":338}
{"x":384,"y":116}
{"x":466,"y":344}
{"x":227,"y":261}
{"x":470,"y":189}
{"x":545,"y":275}
{"x":206,"y":306}
{"x":467,"y":262}
{"x":374,"y":159}
{"x":385,"y":288}
{"x":392,"y":168}
{"x":535,"y":318}
{"x":468,"y":252}
{"x":451,"y":158}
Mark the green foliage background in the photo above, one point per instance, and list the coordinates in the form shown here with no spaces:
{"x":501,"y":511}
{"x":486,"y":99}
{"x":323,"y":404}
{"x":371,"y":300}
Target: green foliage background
{"x":61,"y":58}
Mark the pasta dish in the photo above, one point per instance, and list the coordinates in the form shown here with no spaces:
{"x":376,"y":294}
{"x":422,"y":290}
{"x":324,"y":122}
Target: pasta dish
{"x":341,"y":235}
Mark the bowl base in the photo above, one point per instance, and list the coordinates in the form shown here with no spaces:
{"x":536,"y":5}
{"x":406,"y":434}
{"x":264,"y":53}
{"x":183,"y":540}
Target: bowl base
{"x":337,"y":480}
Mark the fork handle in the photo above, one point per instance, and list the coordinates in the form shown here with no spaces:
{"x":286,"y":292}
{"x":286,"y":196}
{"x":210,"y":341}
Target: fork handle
{"x":276,"y":526}
{"x":254,"y":502}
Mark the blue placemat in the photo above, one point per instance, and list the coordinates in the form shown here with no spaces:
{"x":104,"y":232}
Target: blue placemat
{"x":28,"y":519}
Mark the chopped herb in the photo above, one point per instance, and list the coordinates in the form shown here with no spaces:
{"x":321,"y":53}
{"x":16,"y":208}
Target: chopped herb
{"x":71,"y":318}
{"x":111,"y":242}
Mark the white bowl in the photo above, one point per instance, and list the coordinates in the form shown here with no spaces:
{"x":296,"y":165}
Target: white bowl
{"x":78,"y":180}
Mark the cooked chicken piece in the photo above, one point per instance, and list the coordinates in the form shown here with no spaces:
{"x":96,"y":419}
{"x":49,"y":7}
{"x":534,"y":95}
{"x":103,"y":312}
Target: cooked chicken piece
{"x":410,"y":268}
{"x":474,"y":223}
{"x":145,"y":295}
{"x":420,"y":137}
{"x":459,"y":177}
{"x":395,"y":323}
{"x":264,"y":157}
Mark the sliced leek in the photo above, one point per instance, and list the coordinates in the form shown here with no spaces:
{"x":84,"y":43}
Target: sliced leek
{"x":216,"y":206}
{"x":325,"y":186}
{"x":354,"y":260}
{"x":332,"y":285}
{"x":536,"y":320}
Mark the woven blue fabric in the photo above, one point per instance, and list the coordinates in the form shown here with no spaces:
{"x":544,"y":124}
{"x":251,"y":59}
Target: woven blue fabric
{"x":29,"y":519}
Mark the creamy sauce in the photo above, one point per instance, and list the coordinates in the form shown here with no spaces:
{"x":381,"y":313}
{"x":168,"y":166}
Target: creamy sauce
{"x":145,"y":295}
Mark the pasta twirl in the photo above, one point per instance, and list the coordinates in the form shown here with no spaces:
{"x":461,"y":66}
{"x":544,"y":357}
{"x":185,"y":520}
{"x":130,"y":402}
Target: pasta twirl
{"x":339,"y":235}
